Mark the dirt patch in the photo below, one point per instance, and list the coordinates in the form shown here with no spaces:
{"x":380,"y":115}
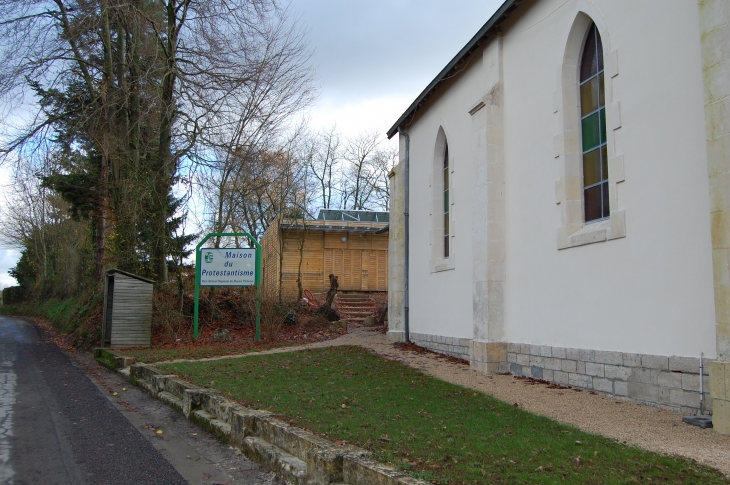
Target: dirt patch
{"x":411,"y":347}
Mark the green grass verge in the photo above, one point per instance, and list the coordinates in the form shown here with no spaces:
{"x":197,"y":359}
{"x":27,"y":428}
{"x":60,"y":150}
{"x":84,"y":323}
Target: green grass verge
{"x":67,"y":315}
{"x":59,"y":312}
{"x":437,"y":431}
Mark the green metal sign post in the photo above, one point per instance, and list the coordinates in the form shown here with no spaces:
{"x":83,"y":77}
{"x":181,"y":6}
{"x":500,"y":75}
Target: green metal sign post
{"x":257,"y":275}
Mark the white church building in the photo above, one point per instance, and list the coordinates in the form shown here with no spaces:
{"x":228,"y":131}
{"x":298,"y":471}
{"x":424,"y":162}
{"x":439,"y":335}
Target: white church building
{"x":561,"y":208}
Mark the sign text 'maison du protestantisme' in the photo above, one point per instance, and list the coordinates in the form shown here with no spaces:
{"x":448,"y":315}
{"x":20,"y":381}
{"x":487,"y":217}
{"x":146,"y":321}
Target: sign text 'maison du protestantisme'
{"x":227,"y":267}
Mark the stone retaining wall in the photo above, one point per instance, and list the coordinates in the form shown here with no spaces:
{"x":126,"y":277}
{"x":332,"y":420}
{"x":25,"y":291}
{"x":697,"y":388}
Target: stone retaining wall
{"x":297,"y":456}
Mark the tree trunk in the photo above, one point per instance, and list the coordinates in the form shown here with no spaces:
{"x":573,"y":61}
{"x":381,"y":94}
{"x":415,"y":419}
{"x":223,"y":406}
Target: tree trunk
{"x":331,"y":293}
{"x":165,"y":162}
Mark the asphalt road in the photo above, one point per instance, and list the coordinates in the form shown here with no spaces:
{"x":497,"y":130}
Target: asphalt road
{"x":59,"y":426}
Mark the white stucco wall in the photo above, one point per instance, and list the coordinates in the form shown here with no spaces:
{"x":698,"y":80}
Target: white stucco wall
{"x":650,"y":292}
{"x":443,"y":299}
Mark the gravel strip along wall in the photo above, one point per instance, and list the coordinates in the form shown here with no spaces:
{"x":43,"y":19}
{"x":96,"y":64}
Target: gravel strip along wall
{"x":453,"y":346}
{"x":296,"y":455}
{"x":669,"y":382}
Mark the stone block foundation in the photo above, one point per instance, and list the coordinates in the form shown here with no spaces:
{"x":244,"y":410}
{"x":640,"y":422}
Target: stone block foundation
{"x":663,"y":381}
{"x":453,"y":346}
{"x":670,"y":382}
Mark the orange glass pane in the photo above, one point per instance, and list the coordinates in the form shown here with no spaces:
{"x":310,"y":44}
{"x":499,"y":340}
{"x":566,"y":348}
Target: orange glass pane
{"x":592,"y":167}
{"x":590,"y":96}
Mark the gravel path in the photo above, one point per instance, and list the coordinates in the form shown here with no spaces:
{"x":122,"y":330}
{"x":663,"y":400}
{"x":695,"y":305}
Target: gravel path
{"x":650,"y":428}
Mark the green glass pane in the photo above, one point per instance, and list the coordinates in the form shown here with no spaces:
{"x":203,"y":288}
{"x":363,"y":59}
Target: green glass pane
{"x":446,"y":178}
{"x":604,"y":163}
{"x":592,"y":167}
{"x":591,"y":132}
{"x":602,"y":114}
{"x":601,"y":91}
{"x":446,"y":201}
{"x":589,"y":97}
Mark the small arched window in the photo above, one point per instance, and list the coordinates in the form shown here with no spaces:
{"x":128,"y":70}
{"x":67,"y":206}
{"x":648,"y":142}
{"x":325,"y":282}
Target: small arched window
{"x":446,"y":199}
{"x":593,"y":129}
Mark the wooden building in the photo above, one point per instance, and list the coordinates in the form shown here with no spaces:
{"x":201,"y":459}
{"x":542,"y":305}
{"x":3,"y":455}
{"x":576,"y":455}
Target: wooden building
{"x":352,"y":245}
{"x":127,"y":320}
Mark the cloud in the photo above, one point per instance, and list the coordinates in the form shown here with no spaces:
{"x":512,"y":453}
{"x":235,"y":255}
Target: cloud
{"x":373,"y":51}
{"x":366,"y":114}
{"x":8,"y":259}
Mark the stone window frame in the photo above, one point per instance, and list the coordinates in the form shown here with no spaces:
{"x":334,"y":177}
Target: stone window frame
{"x":438,"y":261}
{"x":573,"y":230}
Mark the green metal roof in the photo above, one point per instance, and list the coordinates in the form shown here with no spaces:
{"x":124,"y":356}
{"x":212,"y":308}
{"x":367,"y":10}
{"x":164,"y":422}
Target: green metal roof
{"x":353,"y":215}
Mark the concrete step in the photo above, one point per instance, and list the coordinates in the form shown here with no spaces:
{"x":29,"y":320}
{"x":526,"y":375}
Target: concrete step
{"x":147,"y":386}
{"x":289,"y":467}
{"x":171,"y":400}
{"x":219,"y":427}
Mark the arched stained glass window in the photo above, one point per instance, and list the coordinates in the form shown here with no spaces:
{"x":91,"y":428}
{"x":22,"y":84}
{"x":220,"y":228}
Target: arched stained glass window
{"x":593,"y":126}
{"x":446,"y":200}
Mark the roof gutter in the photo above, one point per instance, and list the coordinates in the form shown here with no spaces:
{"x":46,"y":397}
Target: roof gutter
{"x":464,"y":54}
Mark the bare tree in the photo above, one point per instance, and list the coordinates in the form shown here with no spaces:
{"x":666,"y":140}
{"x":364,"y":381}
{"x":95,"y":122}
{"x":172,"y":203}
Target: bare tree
{"x":138,"y":89}
{"x":324,"y":157}
{"x":37,"y":221}
{"x":360,"y":174}
{"x":383,"y":163}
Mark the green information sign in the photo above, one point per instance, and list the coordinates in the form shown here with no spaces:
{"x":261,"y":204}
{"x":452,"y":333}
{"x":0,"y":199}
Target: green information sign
{"x":228,"y":267}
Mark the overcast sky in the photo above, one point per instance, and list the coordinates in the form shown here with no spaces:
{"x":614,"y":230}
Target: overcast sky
{"x":372,"y":57}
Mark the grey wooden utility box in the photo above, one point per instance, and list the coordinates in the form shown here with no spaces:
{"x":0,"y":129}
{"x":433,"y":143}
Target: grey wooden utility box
{"x":127,"y":310}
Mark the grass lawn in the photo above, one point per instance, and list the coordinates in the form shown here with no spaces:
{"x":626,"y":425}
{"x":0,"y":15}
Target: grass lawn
{"x":437,"y":431}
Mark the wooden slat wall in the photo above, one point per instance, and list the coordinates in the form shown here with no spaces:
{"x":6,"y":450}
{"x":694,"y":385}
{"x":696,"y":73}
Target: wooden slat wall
{"x":270,"y":261}
{"x":333,"y":240}
{"x":360,"y":263}
{"x":361,"y":241}
{"x":132,"y":312}
{"x":312,"y":275}
{"x":312,"y":241}
{"x":380,"y":242}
